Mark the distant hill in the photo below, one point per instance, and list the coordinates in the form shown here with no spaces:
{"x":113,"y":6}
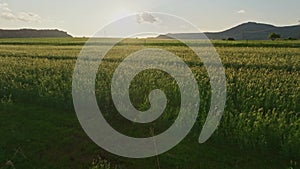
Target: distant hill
{"x":245,"y":31}
{"x":33,"y":33}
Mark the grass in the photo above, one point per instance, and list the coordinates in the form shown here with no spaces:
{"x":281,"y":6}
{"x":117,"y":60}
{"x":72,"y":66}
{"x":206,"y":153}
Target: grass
{"x":260,"y":127}
{"x":36,"y":137}
{"x":39,"y":137}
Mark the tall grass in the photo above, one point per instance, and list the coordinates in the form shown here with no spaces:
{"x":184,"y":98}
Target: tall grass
{"x":263,"y":83}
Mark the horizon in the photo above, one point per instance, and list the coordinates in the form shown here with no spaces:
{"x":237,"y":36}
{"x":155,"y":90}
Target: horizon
{"x":153,"y":35}
{"x":85,"y":19}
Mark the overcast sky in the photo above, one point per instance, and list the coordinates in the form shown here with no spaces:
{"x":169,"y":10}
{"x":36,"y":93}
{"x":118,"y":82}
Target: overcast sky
{"x":84,"y":18}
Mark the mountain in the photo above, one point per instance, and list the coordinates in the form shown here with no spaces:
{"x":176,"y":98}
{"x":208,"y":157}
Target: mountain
{"x":245,"y":31}
{"x":33,"y":33}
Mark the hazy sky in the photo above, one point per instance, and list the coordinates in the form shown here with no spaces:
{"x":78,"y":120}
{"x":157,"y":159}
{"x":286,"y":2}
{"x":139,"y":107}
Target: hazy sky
{"x":84,"y":18}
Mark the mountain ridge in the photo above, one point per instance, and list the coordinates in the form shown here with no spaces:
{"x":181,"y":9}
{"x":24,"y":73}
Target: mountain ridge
{"x":33,"y":33}
{"x":244,"y":31}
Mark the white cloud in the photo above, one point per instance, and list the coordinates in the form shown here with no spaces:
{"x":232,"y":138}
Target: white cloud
{"x":4,"y":7}
{"x":242,"y":11}
{"x":8,"y":14}
{"x":29,"y":17}
{"x":146,"y":17}
{"x":3,"y":4}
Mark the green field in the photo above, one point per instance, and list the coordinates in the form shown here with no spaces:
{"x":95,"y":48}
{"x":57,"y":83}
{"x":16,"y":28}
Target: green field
{"x":260,"y":127}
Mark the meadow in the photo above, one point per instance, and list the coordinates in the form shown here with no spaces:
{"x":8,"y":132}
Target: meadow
{"x":260,"y":127}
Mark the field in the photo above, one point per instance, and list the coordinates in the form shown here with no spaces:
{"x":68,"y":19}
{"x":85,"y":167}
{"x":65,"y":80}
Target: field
{"x":260,"y":127}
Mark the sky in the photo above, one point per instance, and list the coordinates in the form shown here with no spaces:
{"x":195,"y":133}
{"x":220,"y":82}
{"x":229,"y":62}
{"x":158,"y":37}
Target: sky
{"x":85,"y":18}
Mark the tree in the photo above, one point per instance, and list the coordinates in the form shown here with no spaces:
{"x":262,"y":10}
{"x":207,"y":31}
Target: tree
{"x":274,"y":36}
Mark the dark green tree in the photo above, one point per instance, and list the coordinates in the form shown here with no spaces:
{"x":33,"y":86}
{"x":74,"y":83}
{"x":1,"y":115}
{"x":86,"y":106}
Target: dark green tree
{"x":274,"y":36}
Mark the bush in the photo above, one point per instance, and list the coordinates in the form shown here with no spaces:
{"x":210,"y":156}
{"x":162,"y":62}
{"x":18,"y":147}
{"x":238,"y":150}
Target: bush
{"x":274,"y":36}
{"x":290,"y":38}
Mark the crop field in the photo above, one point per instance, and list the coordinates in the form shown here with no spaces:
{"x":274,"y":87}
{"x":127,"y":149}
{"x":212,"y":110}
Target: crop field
{"x":260,"y":127}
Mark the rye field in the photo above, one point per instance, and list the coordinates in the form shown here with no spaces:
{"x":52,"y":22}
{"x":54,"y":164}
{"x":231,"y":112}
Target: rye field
{"x":260,"y":127}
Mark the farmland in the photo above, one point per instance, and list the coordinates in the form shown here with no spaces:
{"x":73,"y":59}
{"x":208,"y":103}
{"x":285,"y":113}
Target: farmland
{"x":260,"y":127}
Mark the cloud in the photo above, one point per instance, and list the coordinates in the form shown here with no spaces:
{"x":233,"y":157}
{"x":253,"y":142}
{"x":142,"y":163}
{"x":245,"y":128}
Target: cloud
{"x":29,"y":17}
{"x":146,"y":17}
{"x":242,"y":11}
{"x":8,"y":14}
{"x":4,"y":7}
